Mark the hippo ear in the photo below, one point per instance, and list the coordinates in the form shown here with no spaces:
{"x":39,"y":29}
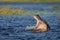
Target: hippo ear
{"x":39,"y":17}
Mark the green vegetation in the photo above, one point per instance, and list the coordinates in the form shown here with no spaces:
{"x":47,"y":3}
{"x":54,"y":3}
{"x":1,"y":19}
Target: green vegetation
{"x":8,"y":11}
{"x":29,"y":0}
{"x":56,"y":7}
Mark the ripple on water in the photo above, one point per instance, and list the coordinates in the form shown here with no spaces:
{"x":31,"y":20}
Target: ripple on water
{"x":14,"y":28}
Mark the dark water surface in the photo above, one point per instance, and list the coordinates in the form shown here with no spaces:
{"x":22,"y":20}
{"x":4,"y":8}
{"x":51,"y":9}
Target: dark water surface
{"x":31,"y":6}
{"x":13,"y":27}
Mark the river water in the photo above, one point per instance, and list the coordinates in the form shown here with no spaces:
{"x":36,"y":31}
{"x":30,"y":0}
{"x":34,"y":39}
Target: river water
{"x":13,"y":27}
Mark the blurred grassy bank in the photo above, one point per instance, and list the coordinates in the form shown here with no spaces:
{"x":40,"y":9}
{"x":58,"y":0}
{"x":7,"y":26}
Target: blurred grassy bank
{"x":21,"y":11}
{"x":29,"y":0}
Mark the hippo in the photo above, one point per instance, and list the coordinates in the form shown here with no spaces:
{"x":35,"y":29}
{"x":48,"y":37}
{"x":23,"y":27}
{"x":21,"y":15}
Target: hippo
{"x":41,"y":25}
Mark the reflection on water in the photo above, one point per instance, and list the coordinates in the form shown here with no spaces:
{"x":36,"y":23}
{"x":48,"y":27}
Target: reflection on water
{"x":13,"y":27}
